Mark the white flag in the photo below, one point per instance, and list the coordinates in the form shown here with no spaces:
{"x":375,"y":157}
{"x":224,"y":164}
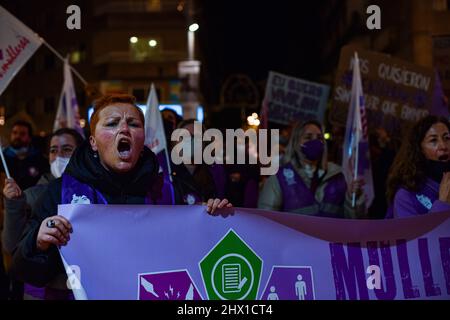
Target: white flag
{"x":155,"y":137}
{"x":17,"y":44}
{"x":68,"y":115}
{"x":356,"y":158}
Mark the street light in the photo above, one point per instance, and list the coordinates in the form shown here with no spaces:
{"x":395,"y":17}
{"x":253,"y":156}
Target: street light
{"x":194,"y":27}
{"x":253,"y":120}
{"x":153,"y":43}
{"x":189,"y":71}
{"x":191,"y":40}
{"x":133,"y":39}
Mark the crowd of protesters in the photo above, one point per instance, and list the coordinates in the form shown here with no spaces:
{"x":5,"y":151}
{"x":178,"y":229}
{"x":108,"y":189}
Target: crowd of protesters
{"x":112,"y":166}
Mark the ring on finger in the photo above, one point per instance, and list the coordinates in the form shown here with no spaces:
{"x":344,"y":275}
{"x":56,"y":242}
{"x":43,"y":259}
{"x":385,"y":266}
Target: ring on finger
{"x":51,"y":223}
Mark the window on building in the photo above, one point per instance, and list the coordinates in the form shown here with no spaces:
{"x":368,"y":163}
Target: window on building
{"x":145,"y":48}
{"x":140,"y":94}
{"x":78,"y":55}
{"x":153,"y":5}
{"x":441,"y":5}
{"x":75,"y":57}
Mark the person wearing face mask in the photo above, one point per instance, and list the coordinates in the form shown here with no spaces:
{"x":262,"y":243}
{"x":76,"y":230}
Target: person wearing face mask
{"x":309,"y":184}
{"x":18,"y":203}
{"x":25,"y":163}
{"x":419,"y":179}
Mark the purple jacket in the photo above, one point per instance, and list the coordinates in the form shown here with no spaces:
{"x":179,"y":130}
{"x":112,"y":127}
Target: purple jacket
{"x":298,"y":198}
{"x":410,"y":203}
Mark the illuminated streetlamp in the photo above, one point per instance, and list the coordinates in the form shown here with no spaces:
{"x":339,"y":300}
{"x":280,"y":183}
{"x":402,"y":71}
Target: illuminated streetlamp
{"x":253,"y":120}
{"x":191,"y":40}
{"x":194,"y":27}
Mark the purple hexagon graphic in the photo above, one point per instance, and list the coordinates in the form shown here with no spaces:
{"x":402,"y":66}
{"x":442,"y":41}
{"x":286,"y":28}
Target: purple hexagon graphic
{"x":167,"y":285}
{"x":289,"y":283}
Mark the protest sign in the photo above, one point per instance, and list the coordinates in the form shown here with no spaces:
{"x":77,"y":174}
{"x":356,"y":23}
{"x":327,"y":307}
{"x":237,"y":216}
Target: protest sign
{"x":290,"y":99}
{"x":397,"y":93}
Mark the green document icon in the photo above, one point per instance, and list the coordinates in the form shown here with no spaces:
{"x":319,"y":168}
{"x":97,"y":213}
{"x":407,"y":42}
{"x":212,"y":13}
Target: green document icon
{"x":231,"y":270}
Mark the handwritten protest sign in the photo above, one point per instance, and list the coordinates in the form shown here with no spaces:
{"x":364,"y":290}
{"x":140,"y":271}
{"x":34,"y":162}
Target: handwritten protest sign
{"x":290,"y":99}
{"x":397,"y":93}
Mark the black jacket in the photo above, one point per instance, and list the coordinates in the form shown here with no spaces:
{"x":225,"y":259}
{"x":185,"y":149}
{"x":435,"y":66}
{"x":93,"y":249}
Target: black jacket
{"x":201,"y":183}
{"x":38,"y":268}
{"x":26,"y":172}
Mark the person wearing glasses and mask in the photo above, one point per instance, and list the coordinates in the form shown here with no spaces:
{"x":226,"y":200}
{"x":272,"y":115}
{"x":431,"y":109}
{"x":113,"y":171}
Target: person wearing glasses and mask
{"x":18,"y":203}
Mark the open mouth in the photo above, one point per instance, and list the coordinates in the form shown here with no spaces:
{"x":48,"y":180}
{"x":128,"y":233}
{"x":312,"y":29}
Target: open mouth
{"x":124,"y":148}
{"x":444,"y":157}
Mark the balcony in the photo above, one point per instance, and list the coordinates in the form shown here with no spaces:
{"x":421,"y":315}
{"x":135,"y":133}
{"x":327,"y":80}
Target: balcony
{"x":126,"y":57}
{"x":134,"y":6}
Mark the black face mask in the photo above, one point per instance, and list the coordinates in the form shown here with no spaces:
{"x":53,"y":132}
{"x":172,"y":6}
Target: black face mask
{"x":436,"y":169}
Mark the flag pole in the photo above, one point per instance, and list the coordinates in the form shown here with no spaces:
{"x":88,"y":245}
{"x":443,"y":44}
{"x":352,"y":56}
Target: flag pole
{"x":63,"y":60}
{"x":355,"y":175}
{"x":357,"y":117}
{"x":168,"y":163}
{"x":4,"y":163}
{"x":169,"y":171}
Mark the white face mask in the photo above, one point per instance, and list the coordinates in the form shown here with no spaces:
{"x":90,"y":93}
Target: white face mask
{"x":58,"y":166}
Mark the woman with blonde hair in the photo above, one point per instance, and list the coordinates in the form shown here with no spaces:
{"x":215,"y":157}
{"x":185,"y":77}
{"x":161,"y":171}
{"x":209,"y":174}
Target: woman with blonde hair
{"x":307,"y":183}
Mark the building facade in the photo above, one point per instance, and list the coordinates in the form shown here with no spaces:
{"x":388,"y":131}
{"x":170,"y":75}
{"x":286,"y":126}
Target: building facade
{"x":123,"y":46}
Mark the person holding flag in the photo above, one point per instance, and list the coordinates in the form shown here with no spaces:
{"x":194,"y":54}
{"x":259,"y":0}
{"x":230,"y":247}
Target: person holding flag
{"x":68,"y":115}
{"x":307,"y":183}
{"x":19,"y":203}
{"x":356,"y":157}
{"x":18,"y":43}
{"x":155,"y":140}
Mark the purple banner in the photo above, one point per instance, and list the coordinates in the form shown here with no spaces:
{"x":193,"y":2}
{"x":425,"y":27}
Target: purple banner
{"x":182,"y":253}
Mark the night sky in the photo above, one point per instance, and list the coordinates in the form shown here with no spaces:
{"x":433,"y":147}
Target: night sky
{"x":254,"y":37}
